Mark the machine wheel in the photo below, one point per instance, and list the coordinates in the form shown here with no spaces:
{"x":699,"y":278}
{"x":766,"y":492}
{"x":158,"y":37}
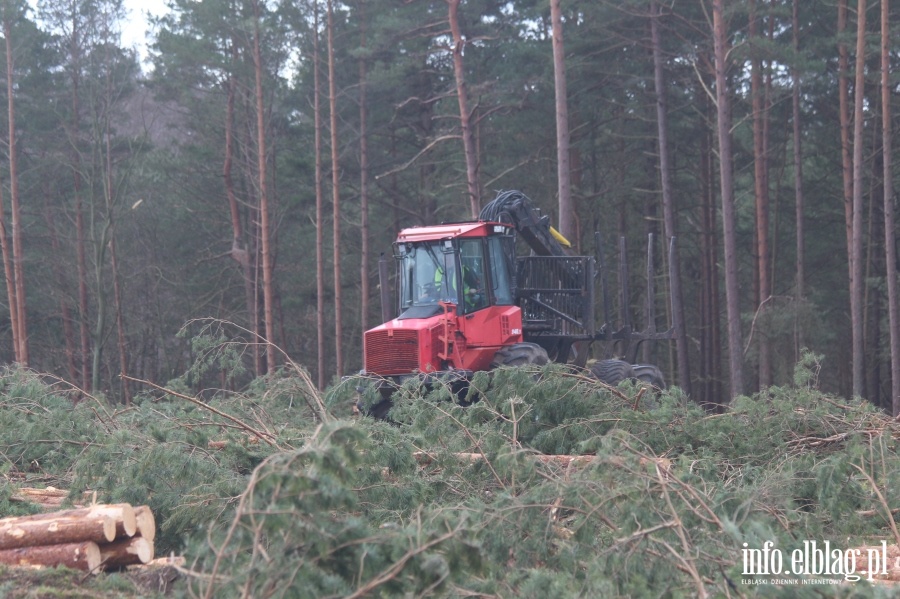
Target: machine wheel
{"x":379,"y":410}
{"x":520,"y":354}
{"x":649,"y":373}
{"x":612,"y":372}
{"x":380,"y":407}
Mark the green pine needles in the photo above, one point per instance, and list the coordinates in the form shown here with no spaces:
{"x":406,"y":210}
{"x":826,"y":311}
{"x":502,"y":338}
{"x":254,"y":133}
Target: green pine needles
{"x":548,"y":483}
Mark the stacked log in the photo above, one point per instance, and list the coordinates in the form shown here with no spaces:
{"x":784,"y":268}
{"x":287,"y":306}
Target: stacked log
{"x":95,"y":538}
{"x":80,"y":556}
{"x":48,"y":498}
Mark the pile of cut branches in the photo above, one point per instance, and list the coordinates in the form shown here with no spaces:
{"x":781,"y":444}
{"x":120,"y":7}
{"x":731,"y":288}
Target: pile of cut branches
{"x":553,"y":484}
{"x":550,"y":484}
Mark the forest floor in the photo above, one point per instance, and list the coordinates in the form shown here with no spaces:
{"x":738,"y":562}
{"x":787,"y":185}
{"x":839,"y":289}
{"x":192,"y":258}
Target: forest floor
{"x":47,"y":583}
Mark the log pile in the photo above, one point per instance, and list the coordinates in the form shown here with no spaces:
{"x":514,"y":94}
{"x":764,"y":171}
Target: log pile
{"x":93,"y":539}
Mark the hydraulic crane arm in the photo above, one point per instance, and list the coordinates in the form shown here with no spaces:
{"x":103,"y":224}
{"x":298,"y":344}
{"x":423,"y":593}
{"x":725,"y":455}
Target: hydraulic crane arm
{"x":514,"y":208}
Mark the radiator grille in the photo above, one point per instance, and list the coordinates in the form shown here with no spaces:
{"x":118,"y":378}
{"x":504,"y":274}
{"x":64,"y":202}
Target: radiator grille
{"x":387,"y":355}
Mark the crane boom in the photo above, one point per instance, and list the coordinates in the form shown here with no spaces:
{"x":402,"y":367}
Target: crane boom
{"x":516,"y":209}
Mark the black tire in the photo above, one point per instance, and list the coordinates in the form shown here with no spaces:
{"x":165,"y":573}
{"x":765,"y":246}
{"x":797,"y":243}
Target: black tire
{"x":520,"y":354}
{"x":612,"y":372}
{"x":380,"y":407}
{"x":649,"y":373}
{"x":379,"y":410}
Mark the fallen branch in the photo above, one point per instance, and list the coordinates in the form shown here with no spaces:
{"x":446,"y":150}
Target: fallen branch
{"x":398,"y":566}
{"x":819,"y":441}
{"x":424,"y":458}
{"x":868,"y":513}
{"x":262,"y":435}
{"x":882,"y":500}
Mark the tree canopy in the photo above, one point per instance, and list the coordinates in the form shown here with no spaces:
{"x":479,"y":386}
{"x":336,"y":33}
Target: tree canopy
{"x":145,"y":198}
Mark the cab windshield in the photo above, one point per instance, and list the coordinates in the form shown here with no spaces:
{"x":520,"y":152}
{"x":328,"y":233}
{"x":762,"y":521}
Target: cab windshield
{"x":427,"y":276}
{"x":454,"y":271}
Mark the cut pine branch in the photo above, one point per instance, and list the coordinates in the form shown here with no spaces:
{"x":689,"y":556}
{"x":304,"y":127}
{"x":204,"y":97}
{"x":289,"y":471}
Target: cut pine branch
{"x":424,"y":458}
{"x":267,"y":437}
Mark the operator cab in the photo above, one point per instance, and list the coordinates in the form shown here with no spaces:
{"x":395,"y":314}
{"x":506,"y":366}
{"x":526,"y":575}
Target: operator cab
{"x":469,"y":265}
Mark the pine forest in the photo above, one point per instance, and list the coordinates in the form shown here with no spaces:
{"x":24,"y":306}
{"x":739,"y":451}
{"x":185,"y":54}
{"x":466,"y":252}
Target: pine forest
{"x":191,"y":243}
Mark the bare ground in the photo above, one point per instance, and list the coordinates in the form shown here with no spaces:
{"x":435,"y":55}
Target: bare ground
{"x":56,"y":583}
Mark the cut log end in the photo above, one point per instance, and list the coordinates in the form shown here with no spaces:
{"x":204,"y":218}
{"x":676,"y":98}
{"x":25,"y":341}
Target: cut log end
{"x":146,"y":523}
{"x":123,"y":516}
{"x":126,"y":552}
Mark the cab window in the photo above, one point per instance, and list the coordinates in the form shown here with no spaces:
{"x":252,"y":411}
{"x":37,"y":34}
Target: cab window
{"x":474,"y":291}
{"x":501,"y":249}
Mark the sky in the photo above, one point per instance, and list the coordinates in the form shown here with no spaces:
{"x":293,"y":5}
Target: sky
{"x":134,"y":30}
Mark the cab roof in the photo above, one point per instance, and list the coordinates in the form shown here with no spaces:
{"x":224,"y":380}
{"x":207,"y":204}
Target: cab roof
{"x":450,"y":230}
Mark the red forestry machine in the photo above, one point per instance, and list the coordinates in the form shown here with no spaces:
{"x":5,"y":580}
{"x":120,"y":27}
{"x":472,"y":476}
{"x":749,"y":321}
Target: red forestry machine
{"x":468,"y":303}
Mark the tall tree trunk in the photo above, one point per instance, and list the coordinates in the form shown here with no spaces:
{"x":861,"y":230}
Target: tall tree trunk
{"x":846,"y":148}
{"x":710,"y":311}
{"x":114,"y":265}
{"x":99,"y":334}
{"x":10,"y":276}
{"x":668,"y":199}
{"x":239,"y":250}
{"x":21,"y":339}
{"x":716,"y":388}
{"x":762,"y":194}
{"x":81,"y":238}
{"x":563,"y":173}
{"x":873,"y":302}
{"x":265,"y":227}
{"x":261,"y":356}
{"x":320,"y":200}
{"x":723,"y":126}
{"x":335,"y":197}
{"x":856,"y":253}
{"x":120,"y":322}
{"x":465,"y":117}
{"x":889,"y":225}
{"x":83,"y":305}
{"x":64,"y":310}
{"x":363,"y":178}
{"x":799,"y":209}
